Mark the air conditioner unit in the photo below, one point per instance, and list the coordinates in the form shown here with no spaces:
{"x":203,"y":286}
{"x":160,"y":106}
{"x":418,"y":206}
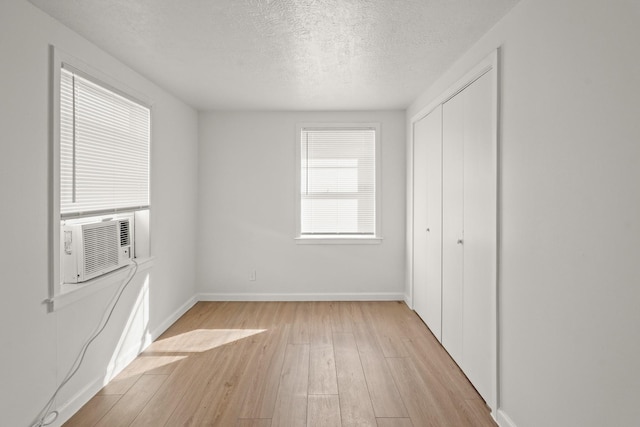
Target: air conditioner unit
{"x":95,"y":248}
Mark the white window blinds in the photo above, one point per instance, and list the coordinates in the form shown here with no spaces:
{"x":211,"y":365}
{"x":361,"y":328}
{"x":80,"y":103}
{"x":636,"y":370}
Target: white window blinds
{"x":104,"y":149}
{"x":338,"y":181}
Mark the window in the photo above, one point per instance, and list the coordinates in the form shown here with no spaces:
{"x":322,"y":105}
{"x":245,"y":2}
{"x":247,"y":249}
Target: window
{"x":100,"y":193}
{"x":338,"y":191}
{"x":104,"y":149}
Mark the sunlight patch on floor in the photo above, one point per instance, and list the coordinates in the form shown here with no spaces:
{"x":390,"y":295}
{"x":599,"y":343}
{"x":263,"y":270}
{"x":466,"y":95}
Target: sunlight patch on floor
{"x":200,"y":340}
{"x":151,"y":364}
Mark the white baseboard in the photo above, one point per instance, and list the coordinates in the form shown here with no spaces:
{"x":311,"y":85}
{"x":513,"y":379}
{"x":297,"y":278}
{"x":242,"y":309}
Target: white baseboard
{"x":407,"y":300}
{"x":70,"y":407}
{"x":357,"y":296}
{"x":73,"y":405}
{"x":504,"y":420}
{"x":172,"y":318}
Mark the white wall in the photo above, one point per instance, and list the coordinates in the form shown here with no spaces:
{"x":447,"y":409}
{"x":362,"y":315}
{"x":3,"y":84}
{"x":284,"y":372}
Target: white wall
{"x":247,"y":213}
{"x":570,"y":210}
{"x":38,"y":347}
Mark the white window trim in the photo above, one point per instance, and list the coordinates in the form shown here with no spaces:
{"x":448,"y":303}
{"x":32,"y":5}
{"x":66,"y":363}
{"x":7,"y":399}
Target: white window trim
{"x":347,"y":239}
{"x":72,"y":293}
{"x":59,"y":295}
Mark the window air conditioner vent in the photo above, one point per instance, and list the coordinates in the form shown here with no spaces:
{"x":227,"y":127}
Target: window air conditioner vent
{"x":100,"y":248}
{"x":124,"y":232}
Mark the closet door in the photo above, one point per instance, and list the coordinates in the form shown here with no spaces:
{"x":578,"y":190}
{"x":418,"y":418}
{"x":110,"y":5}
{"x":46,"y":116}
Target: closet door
{"x":461,"y":255}
{"x":453,"y":134}
{"x":427,"y":217}
{"x":480,"y":233}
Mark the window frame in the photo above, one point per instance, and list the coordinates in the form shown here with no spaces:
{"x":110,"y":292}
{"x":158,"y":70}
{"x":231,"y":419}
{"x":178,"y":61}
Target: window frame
{"x":86,"y":80}
{"x":59,"y":295}
{"x":347,"y":239}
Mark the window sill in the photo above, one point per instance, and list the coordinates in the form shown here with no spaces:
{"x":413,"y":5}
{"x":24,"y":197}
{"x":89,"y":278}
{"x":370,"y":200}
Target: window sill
{"x":71,"y":293}
{"x":347,"y":240}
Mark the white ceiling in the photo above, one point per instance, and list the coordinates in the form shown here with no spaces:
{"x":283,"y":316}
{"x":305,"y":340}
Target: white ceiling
{"x":284,"y":54}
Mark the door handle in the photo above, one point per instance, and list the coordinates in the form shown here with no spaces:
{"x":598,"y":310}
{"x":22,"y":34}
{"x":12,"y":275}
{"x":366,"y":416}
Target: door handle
{"x":428,"y":230}
{"x":460,"y":241}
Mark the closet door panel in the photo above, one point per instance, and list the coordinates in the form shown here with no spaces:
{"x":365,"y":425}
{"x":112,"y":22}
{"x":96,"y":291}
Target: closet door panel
{"x":420,"y":155}
{"x":479,"y":232}
{"x":428,"y":220}
{"x":452,"y":221}
{"x":434,"y":224}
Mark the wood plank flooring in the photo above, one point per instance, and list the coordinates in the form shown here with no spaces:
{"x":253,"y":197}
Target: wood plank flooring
{"x":272,"y":364}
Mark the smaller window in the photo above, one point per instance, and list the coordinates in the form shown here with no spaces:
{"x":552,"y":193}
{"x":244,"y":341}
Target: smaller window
{"x":338,"y":191}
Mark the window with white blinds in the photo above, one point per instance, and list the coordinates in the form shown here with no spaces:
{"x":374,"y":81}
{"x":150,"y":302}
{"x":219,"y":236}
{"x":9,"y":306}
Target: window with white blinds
{"x":337,"y":181}
{"x":104,"y":149}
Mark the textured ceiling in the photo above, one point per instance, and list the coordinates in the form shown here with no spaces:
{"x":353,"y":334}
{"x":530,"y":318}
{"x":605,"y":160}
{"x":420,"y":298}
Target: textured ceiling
{"x":287,"y":54}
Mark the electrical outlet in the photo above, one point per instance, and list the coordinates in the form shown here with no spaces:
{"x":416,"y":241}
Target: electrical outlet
{"x":252,"y":276}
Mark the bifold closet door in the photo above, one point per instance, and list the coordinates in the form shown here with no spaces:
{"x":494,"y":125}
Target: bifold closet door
{"x":469,"y":231}
{"x":427,"y":220}
{"x":479,"y":233}
{"x":455,"y":258}
{"x":453,"y":134}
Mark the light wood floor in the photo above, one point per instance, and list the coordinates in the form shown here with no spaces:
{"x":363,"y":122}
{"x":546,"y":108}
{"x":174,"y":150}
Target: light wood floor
{"x":261,"y":364}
